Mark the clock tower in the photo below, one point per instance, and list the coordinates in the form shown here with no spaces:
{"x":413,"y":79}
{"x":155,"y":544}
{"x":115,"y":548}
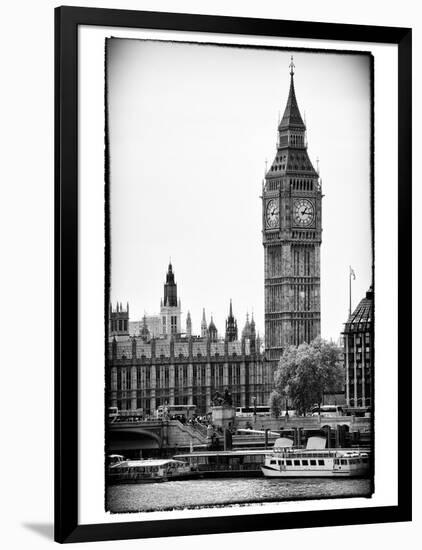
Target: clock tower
{"x":291,"y":218}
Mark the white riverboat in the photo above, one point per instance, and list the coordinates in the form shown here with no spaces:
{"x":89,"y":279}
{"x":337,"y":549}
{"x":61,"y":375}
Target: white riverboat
{"x":314,"y":461}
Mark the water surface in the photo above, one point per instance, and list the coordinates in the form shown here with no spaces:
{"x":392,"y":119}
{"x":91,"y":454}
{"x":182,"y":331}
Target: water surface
{"x":196,"y":493}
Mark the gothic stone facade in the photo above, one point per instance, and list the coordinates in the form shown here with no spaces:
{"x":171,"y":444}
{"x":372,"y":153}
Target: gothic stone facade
{"x":179,"y":368}
{"x":185,"y":371}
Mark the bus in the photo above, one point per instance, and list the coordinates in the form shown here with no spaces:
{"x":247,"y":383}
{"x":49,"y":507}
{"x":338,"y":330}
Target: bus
{"x":327,"y":410}
{"x":181,"y":411}
{"x":116,"y":415}
{"x":259,"y":410}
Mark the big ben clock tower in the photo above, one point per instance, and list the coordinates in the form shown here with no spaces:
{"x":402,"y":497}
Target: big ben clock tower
{"x":291,"y":218}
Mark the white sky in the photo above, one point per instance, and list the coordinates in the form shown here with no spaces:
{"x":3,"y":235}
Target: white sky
{"x":190,"y":129}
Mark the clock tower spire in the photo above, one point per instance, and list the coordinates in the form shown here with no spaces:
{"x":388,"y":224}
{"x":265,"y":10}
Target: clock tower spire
{"x":291,"y":218}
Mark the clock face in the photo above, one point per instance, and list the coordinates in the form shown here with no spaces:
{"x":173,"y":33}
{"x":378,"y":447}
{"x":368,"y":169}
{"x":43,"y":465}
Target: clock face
{"x":303,"y":212}
{"x":272,"y":214}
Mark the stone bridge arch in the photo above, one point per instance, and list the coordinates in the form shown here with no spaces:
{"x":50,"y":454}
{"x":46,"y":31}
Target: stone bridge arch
{"x":133,"y":439}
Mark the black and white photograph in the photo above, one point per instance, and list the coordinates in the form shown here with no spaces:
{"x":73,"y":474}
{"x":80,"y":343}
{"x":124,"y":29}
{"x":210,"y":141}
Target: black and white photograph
{"x":209,"y":287}
{"x":239,"y":363}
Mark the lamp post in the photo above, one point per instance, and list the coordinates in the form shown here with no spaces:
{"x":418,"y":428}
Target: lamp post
{"x":254,"y":408}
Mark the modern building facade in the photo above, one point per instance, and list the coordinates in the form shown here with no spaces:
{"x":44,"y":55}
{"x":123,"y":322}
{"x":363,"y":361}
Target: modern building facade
{"x":358,"y":337}
{"x":291,"y":230}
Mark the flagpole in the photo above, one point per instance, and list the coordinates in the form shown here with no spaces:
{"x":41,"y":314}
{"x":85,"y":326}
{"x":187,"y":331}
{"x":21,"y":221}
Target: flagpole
{"x":350,"y":291}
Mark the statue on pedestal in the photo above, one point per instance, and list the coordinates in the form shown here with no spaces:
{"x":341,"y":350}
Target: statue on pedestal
{"x":219,"y":400}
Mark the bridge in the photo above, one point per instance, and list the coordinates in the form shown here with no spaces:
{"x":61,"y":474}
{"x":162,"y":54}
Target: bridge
{"x":159,"y":435}
{"x":127,"y":435}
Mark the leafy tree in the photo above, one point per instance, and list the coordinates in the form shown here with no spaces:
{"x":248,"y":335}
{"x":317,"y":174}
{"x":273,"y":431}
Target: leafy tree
{"x":275,"y":403}
{"x":308,"y":371}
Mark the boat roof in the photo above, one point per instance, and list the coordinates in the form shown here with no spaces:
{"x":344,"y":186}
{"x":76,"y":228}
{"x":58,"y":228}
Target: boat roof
{"x":320,"y":452}
{"x":237,"y":452}
{"x":283,"y":442}
{"x":146,"y":462}
{"x":316,"y":442}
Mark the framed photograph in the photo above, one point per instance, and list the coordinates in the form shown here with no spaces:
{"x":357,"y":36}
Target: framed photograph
{"x":233,"y":274}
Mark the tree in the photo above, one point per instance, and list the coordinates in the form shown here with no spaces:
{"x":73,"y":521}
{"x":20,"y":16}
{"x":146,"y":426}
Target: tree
{"x":308,"y":371}
{"x":275,"y":403}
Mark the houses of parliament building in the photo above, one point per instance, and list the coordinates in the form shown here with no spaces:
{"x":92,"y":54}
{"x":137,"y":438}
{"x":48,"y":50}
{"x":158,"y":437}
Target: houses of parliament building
{"x":180,"y":368}
{"x":160,"y":362}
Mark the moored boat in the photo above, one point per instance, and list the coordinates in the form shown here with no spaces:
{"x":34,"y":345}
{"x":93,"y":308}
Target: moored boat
{"x":148,"y":471}
{"x":237,"y":463}
{"x":315,"y":461}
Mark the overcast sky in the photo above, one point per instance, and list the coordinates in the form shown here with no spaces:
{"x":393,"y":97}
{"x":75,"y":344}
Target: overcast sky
{"x":190,"y":129}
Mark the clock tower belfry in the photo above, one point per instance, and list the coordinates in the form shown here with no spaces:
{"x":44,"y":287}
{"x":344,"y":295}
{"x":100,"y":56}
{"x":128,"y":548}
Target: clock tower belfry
{"x":291,"y":218}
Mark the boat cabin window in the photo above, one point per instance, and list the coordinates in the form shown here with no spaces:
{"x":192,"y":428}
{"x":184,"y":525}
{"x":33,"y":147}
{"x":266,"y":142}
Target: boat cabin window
{"x":273,"y":461}
{"x":343,"y":461}
{"x":313,"y":462}
{"x":305,"y":463}
{"x":296,"y":462}
{"x":288,"y":462}
{"x":280,"y":462}
{"x":321,"y":462}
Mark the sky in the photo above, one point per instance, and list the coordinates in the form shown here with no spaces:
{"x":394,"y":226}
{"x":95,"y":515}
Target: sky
{"x":190,"y":129}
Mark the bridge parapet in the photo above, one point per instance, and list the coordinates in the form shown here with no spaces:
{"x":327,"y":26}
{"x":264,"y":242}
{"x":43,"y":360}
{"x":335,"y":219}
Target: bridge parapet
{"x":305,"y":422}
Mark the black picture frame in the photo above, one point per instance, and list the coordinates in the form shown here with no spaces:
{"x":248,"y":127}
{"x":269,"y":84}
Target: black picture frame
{"x":67,"y":21}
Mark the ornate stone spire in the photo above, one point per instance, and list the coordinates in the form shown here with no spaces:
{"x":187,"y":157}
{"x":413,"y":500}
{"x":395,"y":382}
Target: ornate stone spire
{"x":144,"y":332}
{"x":204,"y":328}
{"x":291,"y":155}
{"x":231,"y":326}
{"x":170,"y":289}
{"x":188,"y":325}
{"x":246,"y":332}
{"x":292,"y":117}
{"x":212,"y":331}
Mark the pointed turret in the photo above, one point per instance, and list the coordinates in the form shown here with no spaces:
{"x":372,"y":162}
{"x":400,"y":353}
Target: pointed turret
{"x":144,"y":332}
{"x":252,"y":327}
{"x":188,"y":325}
{"x":119,"y":320}
{"x":170,"y":289}
{"x":246,"y":332}
{"x":204,"y":328}
{"x":231,"y":326}
{"x":170,"y":311}
{"x":212,"y":331}
{"x":252,"y":336}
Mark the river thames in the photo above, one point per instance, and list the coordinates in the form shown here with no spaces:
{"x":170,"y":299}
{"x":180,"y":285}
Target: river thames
{"x":219,"y":492}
